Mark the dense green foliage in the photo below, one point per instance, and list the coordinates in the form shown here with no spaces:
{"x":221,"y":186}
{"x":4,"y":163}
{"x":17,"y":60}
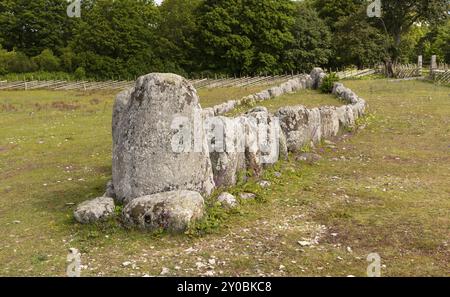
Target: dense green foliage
{"x":127,"y":38}
{"x":328,"y":82}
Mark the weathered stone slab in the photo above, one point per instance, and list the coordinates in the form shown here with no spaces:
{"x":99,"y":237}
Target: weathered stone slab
{"x":329,"y":121}
{"x":153,"y":150}
{"x":171,"y":211}
{"x":226,"y":143}
{"x":96,"y":210}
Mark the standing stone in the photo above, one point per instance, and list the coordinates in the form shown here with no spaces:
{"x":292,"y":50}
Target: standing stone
{"x":275,"y":92}
{"x":262,"y":134}
{"x":346,"y":117}
{"x":329,"y":121}
{"x":159,"y":140}
{"x":227,"y":149}
{"x":120,"y":104}
{"x":261,"y":96}
{"x":314,"y":125}
{"x":284,"y":153}
{"x":317,"y":75}
{"x":293,"y":120}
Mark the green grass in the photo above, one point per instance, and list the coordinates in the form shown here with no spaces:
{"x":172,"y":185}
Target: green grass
{"x":307,"y":98}
{"x":216,"y":96}
{"x":383,"y":189}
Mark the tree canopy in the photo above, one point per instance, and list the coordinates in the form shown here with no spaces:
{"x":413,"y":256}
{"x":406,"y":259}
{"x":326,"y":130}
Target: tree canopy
{"x":127,"y":38}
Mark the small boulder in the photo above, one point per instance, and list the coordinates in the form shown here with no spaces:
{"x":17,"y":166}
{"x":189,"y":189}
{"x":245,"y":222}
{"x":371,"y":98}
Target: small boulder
{"x":309,"y":158}
{"x":275,"y":92}
{"x":264,"y":184}
{"x":227,"y":200}
{"x":110,"y":193}
{"x":247,"y":196}
{"x":92,"y":211}
{"x":261,"y":96}
{"x":171,"y":211}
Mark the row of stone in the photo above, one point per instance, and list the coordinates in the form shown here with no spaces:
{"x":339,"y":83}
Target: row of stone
{"x":163,"y":189}
{"x":293,"y":85}
{"x":290,"y":130}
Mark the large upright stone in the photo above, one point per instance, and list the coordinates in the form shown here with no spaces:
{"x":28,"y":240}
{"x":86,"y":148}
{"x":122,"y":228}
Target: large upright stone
{"x":317,"y":75}
{"x":300,"y":125}
{"x":226,"y":143}
{"x":329,"y":121}
{"x":262,"y":136}
{"x":159,"y":142}
{"x":294,"y":123}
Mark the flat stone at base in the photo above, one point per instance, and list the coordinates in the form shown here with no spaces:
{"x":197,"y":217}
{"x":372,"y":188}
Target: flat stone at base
{"x":171,"y":211}
{"x":92,"y":211}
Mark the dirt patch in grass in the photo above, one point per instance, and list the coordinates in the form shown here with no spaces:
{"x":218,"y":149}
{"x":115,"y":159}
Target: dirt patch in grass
{"x":7,"y":148}
{"x":64,"y":106}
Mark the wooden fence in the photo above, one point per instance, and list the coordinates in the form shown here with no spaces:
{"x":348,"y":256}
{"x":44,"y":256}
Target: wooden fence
{"x":355,"y":73}
{"x":62,"y":85}
{"x":240,"y":82}
{"x":402,"y":70}
{"x":441,"y":76}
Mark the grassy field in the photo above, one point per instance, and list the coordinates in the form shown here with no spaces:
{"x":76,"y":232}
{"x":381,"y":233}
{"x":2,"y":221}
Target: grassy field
{"x":216,"y":96}
{"x":384,"y":189}
{"x":307,"y":98}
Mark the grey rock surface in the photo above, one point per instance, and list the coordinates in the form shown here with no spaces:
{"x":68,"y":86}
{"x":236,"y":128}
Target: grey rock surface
{"x":247,"y":196}
{"x":144,"y":159}
{"x":226,"y":144}
{"x":329,"y":122}
{"x":317,"y":74}
{"x":110,"y":193}
{"x":227,"y":200}
{"x":96,"y":210}
{"x":170,"y":211}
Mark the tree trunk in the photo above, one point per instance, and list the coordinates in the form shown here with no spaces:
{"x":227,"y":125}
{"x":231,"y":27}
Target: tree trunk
{"x":389,"y":68}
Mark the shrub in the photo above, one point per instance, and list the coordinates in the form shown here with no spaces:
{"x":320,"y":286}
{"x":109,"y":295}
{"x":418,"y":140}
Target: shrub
{"x":3,"y":61}
{"x":328,"y":83}
{"x":47,"y":61}
{"x":80,"y":73}
{"x":18,"y":62}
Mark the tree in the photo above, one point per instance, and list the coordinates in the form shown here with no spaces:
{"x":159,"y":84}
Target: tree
{"x":357,"y":42}
{"x":177,"y":28}
{"x":117,"y":38}
{"x":311,"y":40}
{"x":46,"y":61}
{"x":32,"y":26}
{"x":244,"y":36}
{"x":442,"y":43}
{"x":399,"y":16}
{"x":332,"y":11}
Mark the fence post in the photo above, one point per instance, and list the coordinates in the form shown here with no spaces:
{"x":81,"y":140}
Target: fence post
{"x":420,"y":64}
{"x":433,"y":65}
